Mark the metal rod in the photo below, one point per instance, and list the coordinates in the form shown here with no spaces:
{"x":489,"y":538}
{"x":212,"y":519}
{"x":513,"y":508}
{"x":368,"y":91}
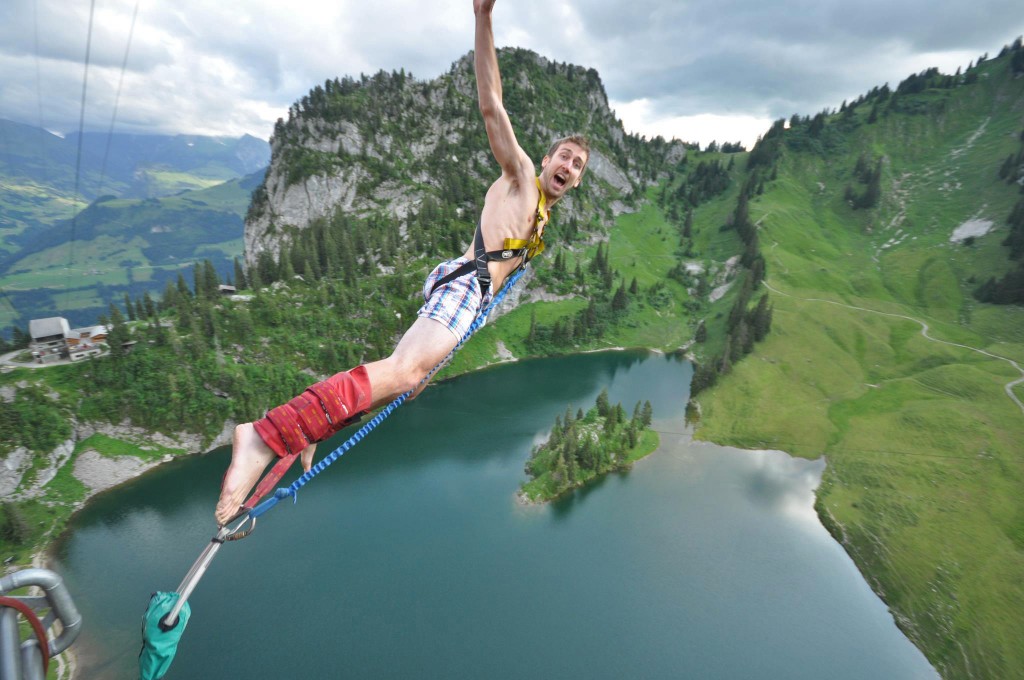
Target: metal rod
{"x":188,"y":584}
{"x":10,"y":657}
{"x":31,"y":660}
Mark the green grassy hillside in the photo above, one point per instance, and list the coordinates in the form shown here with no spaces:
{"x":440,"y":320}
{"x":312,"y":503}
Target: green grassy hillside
{"x":881,"y":360}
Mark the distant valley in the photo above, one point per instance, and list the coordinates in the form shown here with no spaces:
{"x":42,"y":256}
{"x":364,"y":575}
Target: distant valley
{"x":139,"y":210}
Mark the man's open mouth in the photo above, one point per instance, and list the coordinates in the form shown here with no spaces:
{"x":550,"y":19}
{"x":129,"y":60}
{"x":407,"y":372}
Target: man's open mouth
{"x":559,"y":180}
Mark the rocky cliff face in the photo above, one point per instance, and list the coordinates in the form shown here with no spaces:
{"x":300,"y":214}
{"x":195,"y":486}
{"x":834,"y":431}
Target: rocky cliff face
{"x":383,"y":144}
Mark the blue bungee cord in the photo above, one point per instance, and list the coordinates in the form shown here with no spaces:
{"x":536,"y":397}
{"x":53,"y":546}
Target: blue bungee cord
{"x":368,"y":427}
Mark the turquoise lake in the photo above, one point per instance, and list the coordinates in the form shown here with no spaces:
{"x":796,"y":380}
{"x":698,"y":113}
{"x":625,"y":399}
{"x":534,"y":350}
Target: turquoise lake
{"x":411,"y":558}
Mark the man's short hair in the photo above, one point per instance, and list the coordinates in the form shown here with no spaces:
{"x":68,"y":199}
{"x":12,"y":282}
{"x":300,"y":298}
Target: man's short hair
{"x":578,"y":140}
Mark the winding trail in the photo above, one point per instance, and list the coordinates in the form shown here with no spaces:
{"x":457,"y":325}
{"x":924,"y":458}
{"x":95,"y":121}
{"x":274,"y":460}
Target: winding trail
{"x":924,"y":332}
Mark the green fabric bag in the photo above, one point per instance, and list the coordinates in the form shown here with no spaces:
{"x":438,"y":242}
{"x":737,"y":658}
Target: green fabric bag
{"x":159,"y":646}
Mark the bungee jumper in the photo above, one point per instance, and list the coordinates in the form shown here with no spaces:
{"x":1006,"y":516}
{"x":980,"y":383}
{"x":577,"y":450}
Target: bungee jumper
{"x":458,"y":295}
{"x":514,"y":215}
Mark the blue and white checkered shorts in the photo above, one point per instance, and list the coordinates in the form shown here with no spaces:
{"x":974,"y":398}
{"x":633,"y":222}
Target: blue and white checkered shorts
{"x":455,"y":304}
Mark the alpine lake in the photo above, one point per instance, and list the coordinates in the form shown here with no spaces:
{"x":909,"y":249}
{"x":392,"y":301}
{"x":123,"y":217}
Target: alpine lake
{"x":410,"y":557}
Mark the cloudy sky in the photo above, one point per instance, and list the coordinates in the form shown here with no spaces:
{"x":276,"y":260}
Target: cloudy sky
{"x":693,"y":69}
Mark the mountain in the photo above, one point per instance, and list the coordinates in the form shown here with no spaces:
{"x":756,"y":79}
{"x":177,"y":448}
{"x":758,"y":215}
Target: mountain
{"x":125,"y":165}
{"x":123,"y":247}
{"x":393,"y":146}
{"x":145,"y":204}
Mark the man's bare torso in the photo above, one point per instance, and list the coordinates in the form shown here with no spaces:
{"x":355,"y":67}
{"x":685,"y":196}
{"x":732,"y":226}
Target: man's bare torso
{"x":510,"y":211}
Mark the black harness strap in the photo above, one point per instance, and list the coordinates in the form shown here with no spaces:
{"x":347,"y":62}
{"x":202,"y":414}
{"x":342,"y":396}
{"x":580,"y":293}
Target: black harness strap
{"x":479,"y":263}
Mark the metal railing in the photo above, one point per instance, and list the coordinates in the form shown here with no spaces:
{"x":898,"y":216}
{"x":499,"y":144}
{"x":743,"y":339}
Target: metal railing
{"x":28,"y":659}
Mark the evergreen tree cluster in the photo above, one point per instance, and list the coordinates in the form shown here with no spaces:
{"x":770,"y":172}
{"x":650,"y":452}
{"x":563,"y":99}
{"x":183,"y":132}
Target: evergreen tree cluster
{"x":707,"y":180}
{"x":1016,"y":53}
{"x":768,"y":149}
{"x":32,"y":420}
{"x":733,"y":147}
{"x":744,"y":328}
{"x":869,"y":175}
{"x":1009,"y":289}
{"x":583,"y":446}
{"x":14,"y":527}
{"x":751,"y":258}
{"x":241,"y":356}
{"x":1012,"y":169}
{"x":606,"y":305}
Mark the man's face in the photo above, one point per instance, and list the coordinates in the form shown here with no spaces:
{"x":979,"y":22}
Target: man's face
{"x":563,"y":170}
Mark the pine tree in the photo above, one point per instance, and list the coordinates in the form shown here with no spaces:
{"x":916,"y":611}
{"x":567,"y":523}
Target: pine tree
{"x":701,"y":335}
{"x":183,"y":290}
{"x":762,"y":319}
{"x":211,"y":282}
{"x":146,"y":307}
{"x":117,"y":333}
{"x":704,"y":377}
{"x":169,"y":299}
{"x":647,"y":414}
{"x":240,"y":281}
{"x":597,"y":264}
{"x":603,"y":404}
{"x":129,"y":307}
{"x":620,"y":301}
{"x":198,"y":280}
{"x":14,"y":528}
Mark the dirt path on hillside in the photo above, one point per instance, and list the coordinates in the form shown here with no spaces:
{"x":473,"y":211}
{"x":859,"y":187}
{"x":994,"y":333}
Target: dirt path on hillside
{"x":924,"y":332}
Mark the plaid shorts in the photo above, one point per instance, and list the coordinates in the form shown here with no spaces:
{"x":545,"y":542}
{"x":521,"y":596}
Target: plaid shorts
{"x":456,"y":303}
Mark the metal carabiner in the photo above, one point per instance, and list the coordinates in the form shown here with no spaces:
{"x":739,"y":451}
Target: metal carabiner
{"x":238,"y":532}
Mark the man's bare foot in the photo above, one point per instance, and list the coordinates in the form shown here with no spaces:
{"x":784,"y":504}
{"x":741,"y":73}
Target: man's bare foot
{"x":249,"y":457}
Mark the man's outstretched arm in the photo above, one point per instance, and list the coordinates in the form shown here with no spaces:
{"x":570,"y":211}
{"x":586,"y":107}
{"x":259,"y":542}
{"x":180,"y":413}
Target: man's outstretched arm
{"x":500,"y":134}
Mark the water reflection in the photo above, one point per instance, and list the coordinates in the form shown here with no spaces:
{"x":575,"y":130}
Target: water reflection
{"x":574,"y":500}
{"x":782,"y":484}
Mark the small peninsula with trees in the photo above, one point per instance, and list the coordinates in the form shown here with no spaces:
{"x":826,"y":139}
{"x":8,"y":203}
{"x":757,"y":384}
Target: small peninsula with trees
{"x":586,"y":445}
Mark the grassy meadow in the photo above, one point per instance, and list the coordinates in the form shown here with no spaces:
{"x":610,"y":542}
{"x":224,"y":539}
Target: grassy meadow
{"x":926,"y":465}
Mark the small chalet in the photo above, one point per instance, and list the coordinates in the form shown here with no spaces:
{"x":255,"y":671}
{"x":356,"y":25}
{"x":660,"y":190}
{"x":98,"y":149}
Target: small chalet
{"x":88,"y":335}
{"x":52,"y":339}
{"x":48,"y":338}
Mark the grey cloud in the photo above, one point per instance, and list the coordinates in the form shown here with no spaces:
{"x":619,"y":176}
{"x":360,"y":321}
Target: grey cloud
{"x":237,"y":61}
{"x":776,"y":58}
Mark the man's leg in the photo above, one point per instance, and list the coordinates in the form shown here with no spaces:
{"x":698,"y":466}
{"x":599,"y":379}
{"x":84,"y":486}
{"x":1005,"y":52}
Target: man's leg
{"x":425,"y":344}
{"x":422,"y":347}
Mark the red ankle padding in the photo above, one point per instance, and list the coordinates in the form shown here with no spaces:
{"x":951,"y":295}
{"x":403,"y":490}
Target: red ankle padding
{"x":316,"y":414}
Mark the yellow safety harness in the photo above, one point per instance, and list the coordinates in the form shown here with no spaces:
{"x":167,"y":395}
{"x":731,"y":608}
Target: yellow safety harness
{"x":534,"y":245}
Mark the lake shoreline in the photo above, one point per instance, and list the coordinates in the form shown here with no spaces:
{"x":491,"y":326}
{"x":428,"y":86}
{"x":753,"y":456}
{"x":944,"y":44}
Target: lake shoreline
{"x":101,"y":474}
